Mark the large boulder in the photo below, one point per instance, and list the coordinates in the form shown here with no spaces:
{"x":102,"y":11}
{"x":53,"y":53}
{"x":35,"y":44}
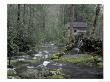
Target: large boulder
{"x":11,"y":72}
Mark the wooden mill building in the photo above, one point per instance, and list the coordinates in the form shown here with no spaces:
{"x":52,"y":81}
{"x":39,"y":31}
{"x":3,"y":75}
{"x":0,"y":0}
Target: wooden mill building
{"x":78,"y":27}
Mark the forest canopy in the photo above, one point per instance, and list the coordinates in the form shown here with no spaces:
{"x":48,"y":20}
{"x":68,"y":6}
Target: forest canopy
{"x":30,"y":26}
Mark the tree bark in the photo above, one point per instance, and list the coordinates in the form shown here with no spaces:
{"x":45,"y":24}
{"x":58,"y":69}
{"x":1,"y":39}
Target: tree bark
{"x":72,"y":38}
{"x":9,"y":63}
{"x":18,"y":19}
{"x":95,"y":20}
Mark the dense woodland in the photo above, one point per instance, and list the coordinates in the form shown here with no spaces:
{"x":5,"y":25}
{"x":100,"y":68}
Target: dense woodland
{"x":30,"y":26}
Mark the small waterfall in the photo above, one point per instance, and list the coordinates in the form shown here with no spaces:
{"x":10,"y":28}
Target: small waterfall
{"x":45,"y":63}
{"x":77,"y":48}
{"x":80,"y":43}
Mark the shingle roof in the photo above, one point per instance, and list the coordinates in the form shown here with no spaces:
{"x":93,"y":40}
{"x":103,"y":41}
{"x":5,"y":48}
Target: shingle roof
{"x":79,"y":24}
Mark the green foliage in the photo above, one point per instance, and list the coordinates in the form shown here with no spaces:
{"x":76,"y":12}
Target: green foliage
{"x":37,"y":24}
{"x":23,"y":35}
{"x":12,"y":49}
{"x":57,"y":71}
{"x":57,"y":74}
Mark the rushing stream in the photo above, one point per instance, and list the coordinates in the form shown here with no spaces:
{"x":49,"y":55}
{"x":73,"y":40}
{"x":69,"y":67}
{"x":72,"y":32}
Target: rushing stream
{"x":71,"y":70}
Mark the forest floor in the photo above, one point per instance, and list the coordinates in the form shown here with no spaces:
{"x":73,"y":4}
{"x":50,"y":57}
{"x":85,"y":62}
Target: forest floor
{"x":73,"y":66}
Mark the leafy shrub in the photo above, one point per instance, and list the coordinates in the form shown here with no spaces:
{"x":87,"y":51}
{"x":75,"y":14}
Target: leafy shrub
{"x":92,"y":45}
{"x":56,"y":74}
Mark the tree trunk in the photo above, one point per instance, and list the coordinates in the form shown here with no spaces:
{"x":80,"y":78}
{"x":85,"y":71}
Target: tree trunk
{"x":95,"y":20}
{"x":24,"y":15}
{"x":18,"y":19}
{"x":72,"y":38}
{"x":9,"y":63}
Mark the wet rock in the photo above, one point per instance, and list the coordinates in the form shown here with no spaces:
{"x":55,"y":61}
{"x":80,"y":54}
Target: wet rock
{"x":11,"y":72}
{"x":30,"y":67}
{"x":13,"y":77}
{"x":35,"y":73}
{"x":21,"y":59}
{"x":10,"y":66}
{"x":38,"y":55}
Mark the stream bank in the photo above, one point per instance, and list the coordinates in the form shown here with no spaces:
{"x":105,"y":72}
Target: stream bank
{"x":39,"y":66}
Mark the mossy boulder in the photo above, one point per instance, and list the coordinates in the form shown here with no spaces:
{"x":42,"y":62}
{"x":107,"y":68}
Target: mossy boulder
{"x":56,"y":56}
{"x":11,"y":72}
{"x":13,"y":77}
{"x":34,"y":74}
{"x":29,"y":74}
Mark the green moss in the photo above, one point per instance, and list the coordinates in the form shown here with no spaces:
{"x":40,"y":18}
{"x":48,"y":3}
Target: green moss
{"x":56,"y":77}
{"x":55,"y":56}
{"x":100,"y":64}
{"x":34,"y":61}
{"x":19,"y":63}
{"x":88,"y":60}
{"x":81,"y":59}
{"x":12,"y":62}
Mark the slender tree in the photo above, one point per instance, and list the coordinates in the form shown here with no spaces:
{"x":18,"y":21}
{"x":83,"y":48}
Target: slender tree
{"x":95,"y":19}
{"x":72,"y":38}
